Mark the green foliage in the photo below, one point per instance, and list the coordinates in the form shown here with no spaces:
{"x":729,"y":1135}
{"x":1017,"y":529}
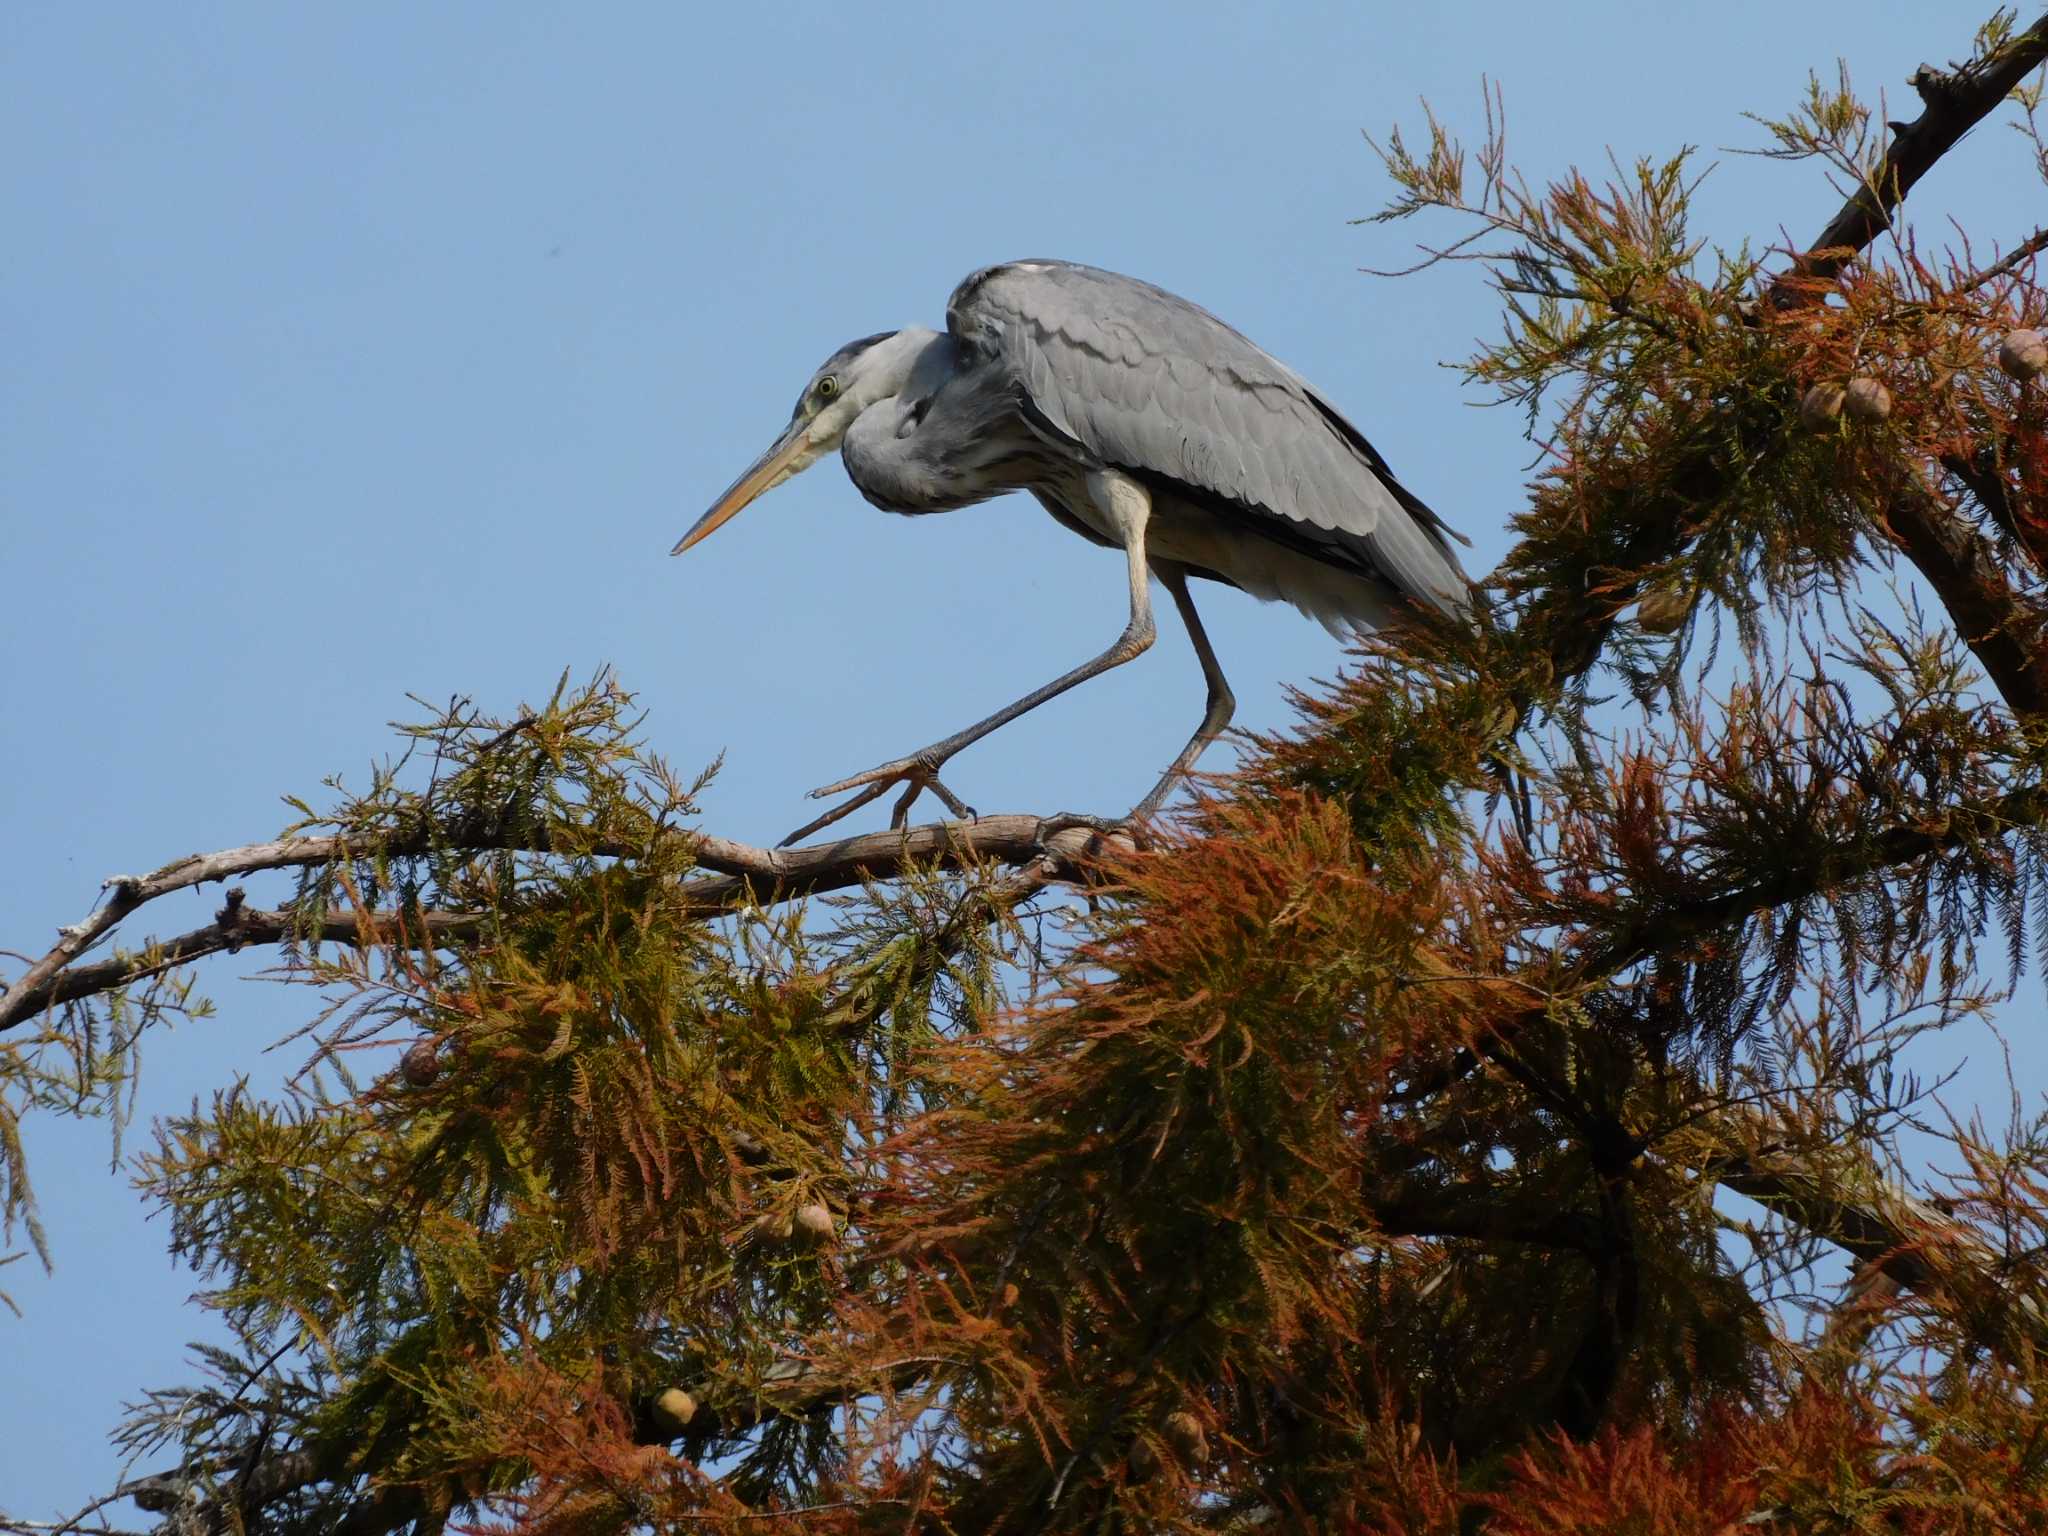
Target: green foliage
{"x":624,"y":1108}
{"x":82,"y":1061}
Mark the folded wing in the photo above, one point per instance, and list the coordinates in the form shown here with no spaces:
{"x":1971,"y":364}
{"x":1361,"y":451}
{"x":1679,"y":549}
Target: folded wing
{"x":1151,"y":384}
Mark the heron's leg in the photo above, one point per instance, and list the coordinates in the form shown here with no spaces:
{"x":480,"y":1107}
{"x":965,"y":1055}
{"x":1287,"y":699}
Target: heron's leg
{"x":1126,"y":506}
{"x":1221,"y":703}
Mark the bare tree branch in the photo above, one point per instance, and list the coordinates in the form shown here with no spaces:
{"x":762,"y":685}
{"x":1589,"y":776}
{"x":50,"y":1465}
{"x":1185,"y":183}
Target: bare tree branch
{"x":1045,"y":848}
{"x":1904,"y":1239}
{"x":2011,"y":262}
{"x":746,"y":874}
{"x":1955,"y":101}
{"x":2005,"y":628}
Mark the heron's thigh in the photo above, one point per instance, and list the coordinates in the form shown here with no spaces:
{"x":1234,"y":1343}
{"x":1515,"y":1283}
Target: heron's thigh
{"x":1122,"y":508}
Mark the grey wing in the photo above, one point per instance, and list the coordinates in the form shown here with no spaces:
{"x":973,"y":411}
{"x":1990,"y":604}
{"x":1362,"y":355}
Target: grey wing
{"x":1149,"y":383}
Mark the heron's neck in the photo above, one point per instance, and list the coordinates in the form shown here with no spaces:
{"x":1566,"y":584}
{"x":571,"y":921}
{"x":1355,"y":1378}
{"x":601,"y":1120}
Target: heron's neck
{"x":945,"y":436}
{"x":898,"y":364}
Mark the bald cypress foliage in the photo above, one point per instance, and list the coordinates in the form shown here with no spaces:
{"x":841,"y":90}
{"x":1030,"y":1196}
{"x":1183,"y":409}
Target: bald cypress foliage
{"x":1345,"y":1154}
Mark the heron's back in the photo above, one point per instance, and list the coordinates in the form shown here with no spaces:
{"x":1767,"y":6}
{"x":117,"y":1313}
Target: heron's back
{"x":1258,"y":480}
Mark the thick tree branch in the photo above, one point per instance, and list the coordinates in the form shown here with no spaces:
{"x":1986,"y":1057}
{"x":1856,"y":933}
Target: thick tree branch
{"x":1481,"y":1218}
{"x":1573,"y":624}
{"x":745,"y":874}
{"x":1603,"y":953}
{"x":1955,"y":101}
{"x":2005,"y":628}
{"x":1999,"y":500}
{"x":1903,"y":1238}
{"x":1509,"y":1003}
{"x":191,"y":1506}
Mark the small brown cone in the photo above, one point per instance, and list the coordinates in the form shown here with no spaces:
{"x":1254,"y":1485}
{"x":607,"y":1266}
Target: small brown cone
{"x":1663,"y":610}
{"x":1820,"y":405}
{"x":773,"y":1226}
{"x":421,"y":1064}
{"x":1184,"y":1433}
{"x":674,"y":1409}
{"x":814,"y":1224}
{"x":2023,"y":354}
{"x":1867,"y":401}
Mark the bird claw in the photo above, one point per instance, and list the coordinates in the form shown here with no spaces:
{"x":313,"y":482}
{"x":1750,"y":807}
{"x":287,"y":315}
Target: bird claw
{"x":1069,"y":821}
{"x":916,"y":775}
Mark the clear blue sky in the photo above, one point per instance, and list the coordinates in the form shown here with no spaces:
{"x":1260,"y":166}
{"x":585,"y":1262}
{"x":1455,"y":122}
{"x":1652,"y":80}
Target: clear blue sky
{"x":369,"y":350}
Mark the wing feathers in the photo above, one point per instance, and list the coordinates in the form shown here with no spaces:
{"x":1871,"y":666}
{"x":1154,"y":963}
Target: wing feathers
{"x":1151,"y":383}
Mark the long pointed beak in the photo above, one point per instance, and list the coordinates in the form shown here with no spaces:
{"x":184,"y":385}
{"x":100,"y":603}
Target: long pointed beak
{"x":785,"y":456}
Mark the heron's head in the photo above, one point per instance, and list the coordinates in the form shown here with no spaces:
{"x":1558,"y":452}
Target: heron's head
{"x":858,"y":375}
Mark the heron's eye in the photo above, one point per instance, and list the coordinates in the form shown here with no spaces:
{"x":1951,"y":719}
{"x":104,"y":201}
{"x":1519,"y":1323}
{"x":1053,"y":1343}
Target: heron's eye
{"x":827,"y":387}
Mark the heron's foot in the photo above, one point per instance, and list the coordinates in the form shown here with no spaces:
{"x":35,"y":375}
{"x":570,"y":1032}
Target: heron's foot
{"x":1104,"y":827}
{"x":917,"y":773}
{"x":1068,"y":821}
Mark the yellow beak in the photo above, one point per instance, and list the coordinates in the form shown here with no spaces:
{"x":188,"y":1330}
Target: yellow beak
{"x":788,"y":454}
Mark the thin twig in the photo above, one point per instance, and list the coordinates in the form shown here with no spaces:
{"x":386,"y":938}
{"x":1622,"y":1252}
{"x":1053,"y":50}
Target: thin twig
{"x":2013,"y":260}
{"x":75,"y":1523}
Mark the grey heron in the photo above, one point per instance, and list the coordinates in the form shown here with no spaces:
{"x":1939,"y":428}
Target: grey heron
{"x":1142,"y":423}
